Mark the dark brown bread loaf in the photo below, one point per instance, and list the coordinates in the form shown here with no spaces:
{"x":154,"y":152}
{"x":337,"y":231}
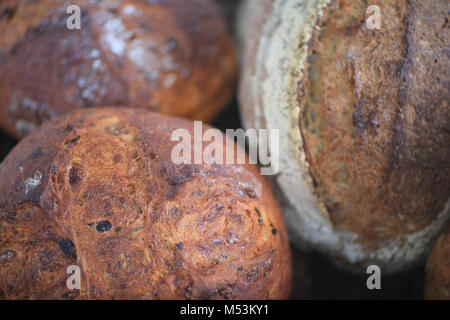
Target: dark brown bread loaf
{"x":170,"y":56}
{"x":97,"y":188}
{"x":437,"y":282}
{"x":364,"y":119}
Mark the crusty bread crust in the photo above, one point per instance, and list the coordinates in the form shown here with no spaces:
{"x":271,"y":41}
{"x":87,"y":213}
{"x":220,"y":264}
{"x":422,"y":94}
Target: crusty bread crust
{"x":174,"y":56}
{"x":364,"y":122}
{"x":437,"y":281}
{"x":97,"y":188}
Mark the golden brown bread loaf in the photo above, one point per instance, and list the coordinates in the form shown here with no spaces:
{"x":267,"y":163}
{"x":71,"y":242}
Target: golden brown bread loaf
{"x":437,"y":281}
{"x":364,"y":119}
{"x":170,"y":56}
{"x":97,"y":188}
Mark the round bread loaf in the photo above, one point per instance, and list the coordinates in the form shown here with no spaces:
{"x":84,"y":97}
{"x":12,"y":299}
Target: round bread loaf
{"x":170,"y":56}
{"x":364,"y":121}
{"x":437,"y":281}
{"x":97,"y":188}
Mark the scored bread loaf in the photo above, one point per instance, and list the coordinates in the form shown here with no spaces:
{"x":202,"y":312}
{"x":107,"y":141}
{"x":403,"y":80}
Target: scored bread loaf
{"x":97,"y":188}
{"x":170,"y":56}
{"x":364,"y":121}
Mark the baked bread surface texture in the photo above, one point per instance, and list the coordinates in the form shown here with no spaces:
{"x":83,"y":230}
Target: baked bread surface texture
{"x":437,"y":281}
{"x":364,"y":120}
{"x":97,"y":188}
{"x":171,"y":56}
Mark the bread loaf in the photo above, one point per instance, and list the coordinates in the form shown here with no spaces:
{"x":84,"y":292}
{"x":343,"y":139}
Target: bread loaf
{"x":364,"y":119}
{"x":96,"y":188}
{"x":170,"y":56}
{"x":437,"y":282}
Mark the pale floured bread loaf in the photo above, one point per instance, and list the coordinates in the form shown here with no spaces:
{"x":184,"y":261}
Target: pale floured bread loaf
{"x":364,"y":120}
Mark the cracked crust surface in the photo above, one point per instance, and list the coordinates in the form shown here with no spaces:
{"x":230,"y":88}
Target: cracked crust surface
{"x":170,"y":56}
{"x":367,"y":177}
{"x":97,"y":188}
